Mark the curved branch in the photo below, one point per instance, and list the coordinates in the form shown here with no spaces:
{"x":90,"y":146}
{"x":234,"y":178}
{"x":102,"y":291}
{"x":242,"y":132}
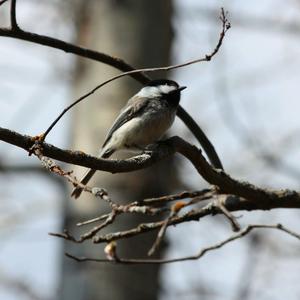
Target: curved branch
{"x":81,"y":159}
{"x":197,"y":256}
{"x":205,"y":143}
{"x":261,"y":198}
{"x":51,"y":42}
{"x":231,"y":194}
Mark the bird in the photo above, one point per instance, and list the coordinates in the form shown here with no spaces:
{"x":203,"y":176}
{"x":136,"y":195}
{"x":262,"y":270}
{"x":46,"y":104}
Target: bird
{"x":143,"y":121}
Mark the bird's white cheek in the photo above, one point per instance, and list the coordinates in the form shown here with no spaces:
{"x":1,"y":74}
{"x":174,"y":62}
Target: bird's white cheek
{"x":149,"y":92}
{"x":138,"y":132}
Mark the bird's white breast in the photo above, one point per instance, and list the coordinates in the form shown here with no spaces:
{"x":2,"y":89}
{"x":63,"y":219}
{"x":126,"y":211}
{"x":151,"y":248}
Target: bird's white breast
{"x":142,"y":131}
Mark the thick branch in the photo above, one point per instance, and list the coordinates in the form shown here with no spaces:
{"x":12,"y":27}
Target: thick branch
{"x":259,"y":198}
{"x":244,"y":196}
{"x":81,"y":159}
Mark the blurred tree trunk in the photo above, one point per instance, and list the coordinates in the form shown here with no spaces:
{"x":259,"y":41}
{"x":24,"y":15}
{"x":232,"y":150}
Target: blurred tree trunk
{"x":140,"y":32}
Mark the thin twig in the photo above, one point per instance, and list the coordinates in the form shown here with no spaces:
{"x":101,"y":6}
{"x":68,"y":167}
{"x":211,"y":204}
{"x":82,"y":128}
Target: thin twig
{"x":13,"y":17}
{"x":88,"y":235}
{"x":109,"y":220}
{"x":197,"y":256}
{"x":37,"y":150}
{"x":50,"y":165}
{"x":129,"y":208}
{"x":160,"y":235}
{"x":90,"y":221}
{"x":234,"y":223}
{"x":195,"y":215}
{"x":176,"y":207}
{"x":169,"y":198}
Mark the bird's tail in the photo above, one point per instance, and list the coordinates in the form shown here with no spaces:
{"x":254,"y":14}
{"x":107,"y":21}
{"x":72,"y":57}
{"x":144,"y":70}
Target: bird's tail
{"x":90,"y":173}
{"x":84,"y":180}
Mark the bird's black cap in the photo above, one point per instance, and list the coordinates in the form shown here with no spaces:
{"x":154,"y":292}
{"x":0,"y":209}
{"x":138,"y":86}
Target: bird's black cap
{"x":158,"y":82}
{"x":173,"y":96}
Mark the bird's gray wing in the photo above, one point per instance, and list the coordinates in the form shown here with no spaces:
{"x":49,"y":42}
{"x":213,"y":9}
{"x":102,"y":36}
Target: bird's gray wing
{"x":134,"y":108}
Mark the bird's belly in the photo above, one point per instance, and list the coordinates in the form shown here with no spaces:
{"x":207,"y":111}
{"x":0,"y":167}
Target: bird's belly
{"x":148,"y":131}
{"x":138,"y":132}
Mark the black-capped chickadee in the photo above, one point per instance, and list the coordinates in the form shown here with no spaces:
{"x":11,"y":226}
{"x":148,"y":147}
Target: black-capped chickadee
{"x":143,"y":121}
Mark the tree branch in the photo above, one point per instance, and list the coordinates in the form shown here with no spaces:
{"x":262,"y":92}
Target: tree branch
{"x":71,"y":48}
{"x":197,"y":256}
{"x":259,"y":198}
{"x":237,"y":195}
{"x":13,"y":18}
{"x":244,"y":195}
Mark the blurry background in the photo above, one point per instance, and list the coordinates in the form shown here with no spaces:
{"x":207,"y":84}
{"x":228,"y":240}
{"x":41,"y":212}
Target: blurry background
{"x":245,"y":100}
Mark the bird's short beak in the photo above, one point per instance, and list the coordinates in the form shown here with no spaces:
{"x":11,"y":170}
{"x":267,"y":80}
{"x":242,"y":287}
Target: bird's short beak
{"x":181,"y":88}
